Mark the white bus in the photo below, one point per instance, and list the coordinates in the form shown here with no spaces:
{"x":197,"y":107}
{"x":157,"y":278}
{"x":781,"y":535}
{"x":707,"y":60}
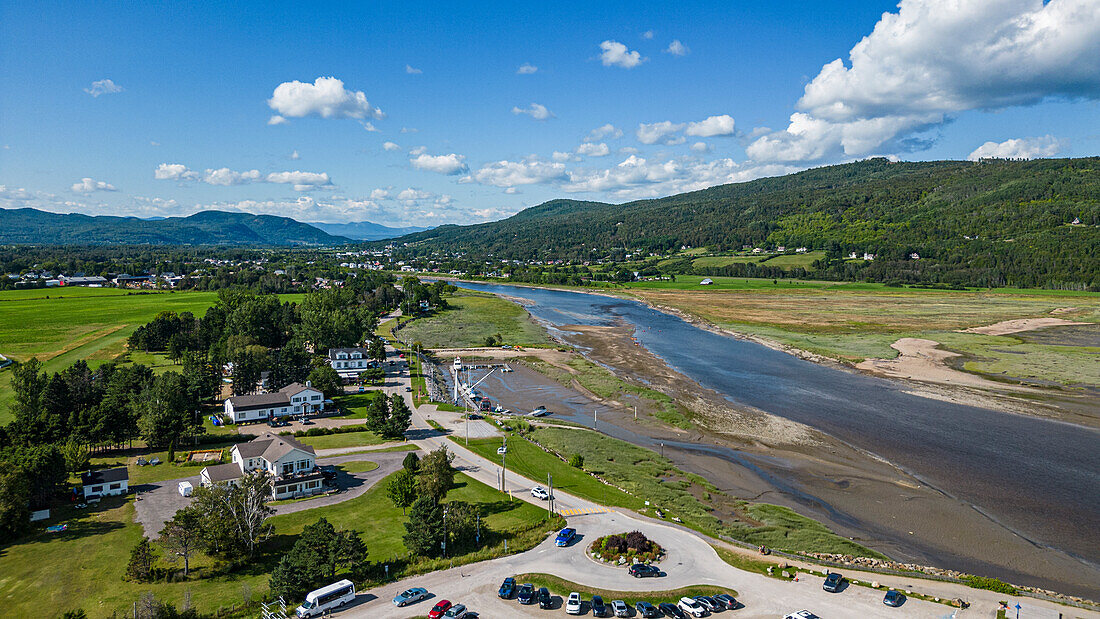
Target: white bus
{"x":326,"y":598}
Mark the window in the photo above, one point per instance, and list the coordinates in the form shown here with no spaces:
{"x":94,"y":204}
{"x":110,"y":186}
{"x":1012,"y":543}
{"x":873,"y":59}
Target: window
{"x":115,"y":486}
{"x":288,"y":468}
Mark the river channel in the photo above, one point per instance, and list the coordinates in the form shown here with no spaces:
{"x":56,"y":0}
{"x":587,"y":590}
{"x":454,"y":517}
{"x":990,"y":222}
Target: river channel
{"x":1039,"y":477}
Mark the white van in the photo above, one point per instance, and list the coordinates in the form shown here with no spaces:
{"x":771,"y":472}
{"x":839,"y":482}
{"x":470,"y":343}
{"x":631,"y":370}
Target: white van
{"x":326,"y":598}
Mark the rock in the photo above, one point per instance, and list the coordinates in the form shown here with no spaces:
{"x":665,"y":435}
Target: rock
{"x":875,"y":585}
{"x":786,"y":574}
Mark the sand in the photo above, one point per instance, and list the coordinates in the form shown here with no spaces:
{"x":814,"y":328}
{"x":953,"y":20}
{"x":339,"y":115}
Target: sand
{"x":1023,"y":324}
{"x":923,"y":360}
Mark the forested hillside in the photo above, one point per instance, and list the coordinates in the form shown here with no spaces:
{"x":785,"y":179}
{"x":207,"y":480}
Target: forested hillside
{"x":27,"y":225}
{"x":991,"y":223}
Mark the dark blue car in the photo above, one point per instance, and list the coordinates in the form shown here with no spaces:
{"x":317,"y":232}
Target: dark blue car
{"x":565,"y":536}
{"x":507,"y":589}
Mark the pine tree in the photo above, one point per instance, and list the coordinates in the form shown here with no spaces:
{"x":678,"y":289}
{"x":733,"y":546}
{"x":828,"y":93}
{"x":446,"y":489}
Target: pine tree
{"x":142,"y":558}
{"x":424,"y":530}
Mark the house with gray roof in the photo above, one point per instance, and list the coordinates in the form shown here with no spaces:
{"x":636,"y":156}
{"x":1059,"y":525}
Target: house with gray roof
{"x":350,"y":362}
{"x":291,"y":466}
{"x":293,"y":400}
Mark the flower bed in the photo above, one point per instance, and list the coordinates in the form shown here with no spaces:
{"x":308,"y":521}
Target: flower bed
{"x":626,"y":548}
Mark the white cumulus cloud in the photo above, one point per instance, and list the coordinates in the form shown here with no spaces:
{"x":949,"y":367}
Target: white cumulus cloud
{"x":663,"y":132}
{"x":711,"y":127}
{"x":933,"y":59}
{"x":593,"y":149}
{"x":300,"y":181}
{"x":526,"y":69}
{"x":226,"y":177}
{"x":506,"y":173}
{"x":616,"y":54}
{"x":103,"y":87}
{"x":88,"y":185}
{"x":174,"y":172}
{"x":1020,"y":148}
{"x":390,"y":146}
{"x":608,"y":131}
{"x":325,"y":97}
{"x":535,"y":110}
{"x":676,"y":48}
{"x":411,"y":70}
{"x":441,"y":164}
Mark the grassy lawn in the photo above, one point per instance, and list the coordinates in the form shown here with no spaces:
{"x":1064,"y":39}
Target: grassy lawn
{"x":151,"y":474}
{"x":356,"y":403}
{"x":347,"y":439}
{"x":472,"y":318}
{"x":529,"y":461}
{"x":358,"y":466}
{"x":563,"y":587}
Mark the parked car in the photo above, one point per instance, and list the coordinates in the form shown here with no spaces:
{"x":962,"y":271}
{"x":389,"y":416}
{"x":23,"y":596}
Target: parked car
{"x":408,"y":389}
{"x":573,"y":604}
{"x":545,"y":601}
{"x":671,"y":610}
{"x":409,"y":596}
{"x":565,"y":536}
{"x":832,"y":582}
{"x":710,"y":603}
{"x":647,"y":610}
{"x":693,"y":607}
{"x":328,"y":472}
{"x":458,"y":611}
{"x":526,"y":594}
{"x":802,"y":614}
{"x":727,"y":601}
{"x":437,"y":611}
{"x":642,"y":570}
{"x":599,"y":609}
{"x":540,"y":493}
{"x":507,"y":588}
{"x":620,"y":608}
{"x":893,"y":598}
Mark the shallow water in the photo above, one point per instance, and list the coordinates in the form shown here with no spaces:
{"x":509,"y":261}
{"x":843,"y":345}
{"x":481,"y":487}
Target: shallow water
{"x":1039,"y":477}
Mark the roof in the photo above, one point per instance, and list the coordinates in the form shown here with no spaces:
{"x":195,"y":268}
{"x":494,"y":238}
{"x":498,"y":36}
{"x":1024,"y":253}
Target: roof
{"x":295,"y":388}
{"x":260,"y":400}
{"x":105,"y":476}
{"x":223,"y":472}
{"x":271,"y":447}
{"x":363,"y":351}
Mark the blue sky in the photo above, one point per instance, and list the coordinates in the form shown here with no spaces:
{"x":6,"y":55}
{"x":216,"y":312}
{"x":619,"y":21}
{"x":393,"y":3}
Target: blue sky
{"x":419,"y":113}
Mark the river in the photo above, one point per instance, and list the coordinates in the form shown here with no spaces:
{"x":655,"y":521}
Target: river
{"x":1039,"y":477}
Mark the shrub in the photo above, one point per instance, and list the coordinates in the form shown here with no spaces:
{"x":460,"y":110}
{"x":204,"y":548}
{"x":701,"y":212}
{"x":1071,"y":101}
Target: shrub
{"x":990,"y":584}
{"x":576,"y":461}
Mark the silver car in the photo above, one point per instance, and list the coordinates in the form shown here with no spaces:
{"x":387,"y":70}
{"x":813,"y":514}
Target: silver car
{"x":409,"y":596}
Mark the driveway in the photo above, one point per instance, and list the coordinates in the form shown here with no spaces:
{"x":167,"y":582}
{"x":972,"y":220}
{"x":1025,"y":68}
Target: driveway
{"x":158,"y":502}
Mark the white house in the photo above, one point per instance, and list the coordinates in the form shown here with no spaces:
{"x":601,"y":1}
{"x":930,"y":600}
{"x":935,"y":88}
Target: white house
{"x":350,"y":362}
{"x":105,"y":482}
{"x":294,"y":399}
{"x":291,"y":466}
{"x":706,"y":281}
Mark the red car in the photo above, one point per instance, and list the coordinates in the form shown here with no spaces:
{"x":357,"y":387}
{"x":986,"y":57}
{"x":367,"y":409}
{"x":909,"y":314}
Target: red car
{"x":439,"y":609}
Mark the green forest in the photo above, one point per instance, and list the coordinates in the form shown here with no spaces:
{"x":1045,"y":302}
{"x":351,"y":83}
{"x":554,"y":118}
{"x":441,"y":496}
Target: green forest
{"x":988,"y":223}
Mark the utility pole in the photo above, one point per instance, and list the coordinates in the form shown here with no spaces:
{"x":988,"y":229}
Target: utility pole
{"x":550,"y":499}
{"x":594,"y":422}
{"x":444,"y":542}
{"x":635,"y":413}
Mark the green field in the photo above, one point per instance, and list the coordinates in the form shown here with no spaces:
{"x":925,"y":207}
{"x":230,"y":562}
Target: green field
{"x":471,"y":319}
{"x":94,"y":550}
{"x":62,"y":325}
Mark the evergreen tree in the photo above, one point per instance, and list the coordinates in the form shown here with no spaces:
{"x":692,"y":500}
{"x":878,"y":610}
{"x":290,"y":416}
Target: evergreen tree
{"x":142,"y":558}
{"x":411,"y":463}
{"x":424,"y":529}
{"x":182,"y":536}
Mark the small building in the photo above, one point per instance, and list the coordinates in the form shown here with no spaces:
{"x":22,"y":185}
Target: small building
{"x":800,"y":250}
{"x":294,"y":399}
{"x":706,"y":282}
{"x":291,"y":465}
{"x":914,"y":256}
{"x":105,"y":482}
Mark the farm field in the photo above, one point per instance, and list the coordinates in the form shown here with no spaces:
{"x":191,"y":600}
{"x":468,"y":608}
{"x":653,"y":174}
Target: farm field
{"x":852,"y":322}
{"x":62,"y":325}
{"x":96,"y":546}
{"x":784,"y":261}
{"x":471,"y":319}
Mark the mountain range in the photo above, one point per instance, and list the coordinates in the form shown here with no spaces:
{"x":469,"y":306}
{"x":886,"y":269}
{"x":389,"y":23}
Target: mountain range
{"x":990,"y":222}
{"x":365,"y":230}
{"x":27,"y":225}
